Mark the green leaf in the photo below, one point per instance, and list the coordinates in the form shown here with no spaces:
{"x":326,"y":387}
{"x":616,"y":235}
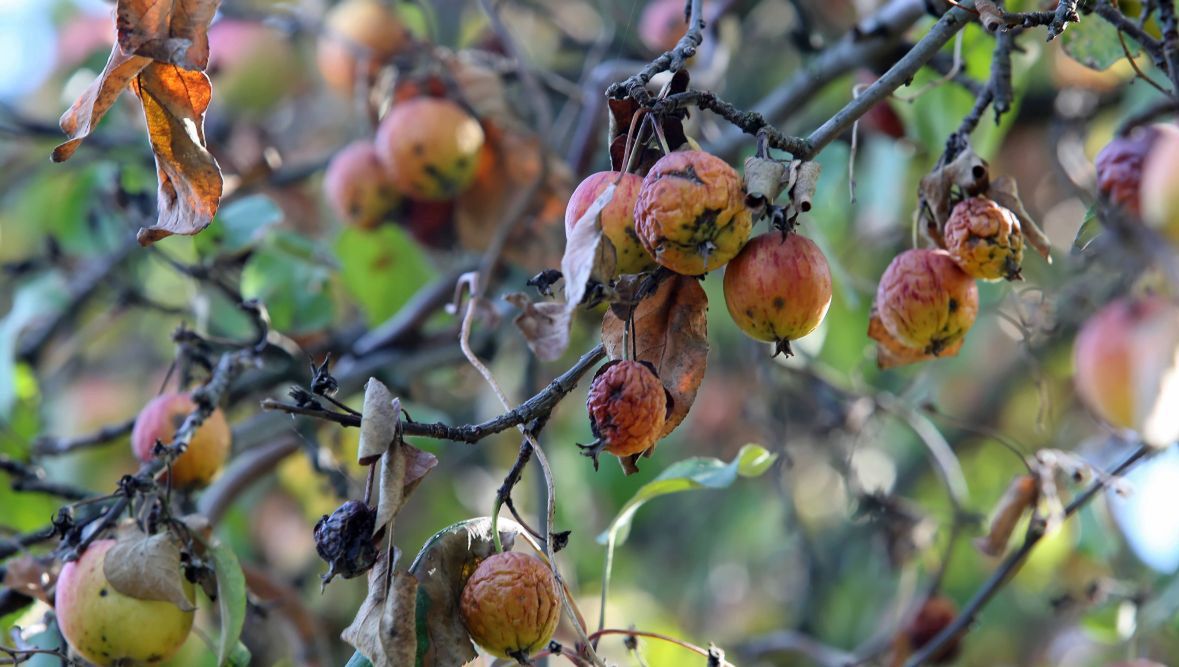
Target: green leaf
{"x":240,"y":656}
{"x":239,"y":225}
{"x":1089,"y":230}
{"x":292,"y":279}
{"x":1094,"y":43}
{"x":381,"y":269}
{"x":231,"y":600}
{"x":358,"y":660}
{"x":693,"y":473}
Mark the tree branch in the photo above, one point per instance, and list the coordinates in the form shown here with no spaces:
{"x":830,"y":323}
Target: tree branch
{"x":537,"y":407}
{"x":670,"y":61}
{"x":897,"y":75}
{"x":1012,"y":562}
{"x":56,"y":446}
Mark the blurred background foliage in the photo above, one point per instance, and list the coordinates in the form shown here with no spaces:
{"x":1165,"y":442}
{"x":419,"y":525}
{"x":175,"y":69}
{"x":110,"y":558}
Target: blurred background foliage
{"x":796,"y":549}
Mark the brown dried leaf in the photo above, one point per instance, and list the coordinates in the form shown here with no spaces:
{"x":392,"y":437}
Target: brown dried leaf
{"x":33,"y":576}
{"x":1005,"y":192}
{"x":384,"y":630}
{"x":967,"y":171}
{"x":891,"y":353}
{"x":764,"y":180}
{"x":147,"y":567}
{"x":402,"y":469}
{"x":585,"y":255}
{"x":545,"y":325}
{"x":1019,"y":497}
{"x":174,"y":103}
{"x":380,"y":424}
{"x":442,"y":568}
{"x":168,"y":31}
{"x":671,"y":332}
{"x":85,"y":113}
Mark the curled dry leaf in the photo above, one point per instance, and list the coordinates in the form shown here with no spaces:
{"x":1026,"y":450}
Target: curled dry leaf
{"x":381,"y":424}
{"x":892,"y":353}
{"x":84,"y":114}
{"x":384,"y":630}
{"x":147,"y":567}
{"x":968,"y":172}
{"x":764,"y":180}
{"x":1020,"y":496}
{"x":585,"y":255}
{"x":167,"y":31}
{"x":802,"y":193}
{"x":671,"y":332}
{"x":402,"y":468}
{"x":545,"y":325}
{"x":33,"y":576}
{"x":174,"y":103}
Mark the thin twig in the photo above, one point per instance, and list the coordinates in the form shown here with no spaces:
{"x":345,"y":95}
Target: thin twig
{"x":56,"y":446}
{"x":1012,"y":562}
{"x":538,"y":406}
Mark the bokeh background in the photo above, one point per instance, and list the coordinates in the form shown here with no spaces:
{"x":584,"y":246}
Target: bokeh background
{"x":803,"y":548}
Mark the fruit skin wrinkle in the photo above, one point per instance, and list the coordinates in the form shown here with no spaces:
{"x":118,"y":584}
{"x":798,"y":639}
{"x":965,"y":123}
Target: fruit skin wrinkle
{"x":627,"y":406}
{"x":691,"y":214}
{"x":511,"y":605}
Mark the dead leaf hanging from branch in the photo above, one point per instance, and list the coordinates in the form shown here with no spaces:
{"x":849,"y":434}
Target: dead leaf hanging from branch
{"x":162,"y":50}
{"x":174,"y":103}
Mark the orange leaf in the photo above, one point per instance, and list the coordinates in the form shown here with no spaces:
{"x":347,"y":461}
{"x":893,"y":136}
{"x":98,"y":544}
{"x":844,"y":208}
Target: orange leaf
{"x":83,"y":116}
{"x":1021,"y":494}
{"x":671,"y":332}
{"x":167,"y":31}
{"x":174,"y":103}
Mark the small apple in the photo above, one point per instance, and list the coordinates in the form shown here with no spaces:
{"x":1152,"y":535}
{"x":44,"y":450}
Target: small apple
{"x":359,"y":37}
{"x":1127,"y":366}
{"x":357,"y":187}
{"x":207,"y":451}
{"x":106,"y":627}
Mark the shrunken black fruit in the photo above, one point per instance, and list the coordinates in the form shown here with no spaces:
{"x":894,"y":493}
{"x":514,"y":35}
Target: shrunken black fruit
{"x":345,"y":540}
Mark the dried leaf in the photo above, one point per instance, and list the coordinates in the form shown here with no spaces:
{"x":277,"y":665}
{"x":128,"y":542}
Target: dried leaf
{"x":402,"y":469}
{"x":85,"y":113}
{"x":381,"y":423}
{"x":585,"y":256}
{"x":545,"y":325}
{"x":147,"y":567}
{"x":671,"y":332}
{"x":168,"y":31}
{"x":1020,"y":496}
{"x":764,"y":180}
{"x":33,"y":576}
{"x":967,"y":171}
{"x":802,"y":193}
{"x":1005,"y":192}
{"x":174,"y":103}
{"x":442,"y":568}
{"x":384,"y":629}
{"x":891,"y":353}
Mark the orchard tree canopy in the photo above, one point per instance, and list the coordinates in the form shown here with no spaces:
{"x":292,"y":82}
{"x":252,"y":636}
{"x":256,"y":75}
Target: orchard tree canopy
{"x":596,"y":332}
